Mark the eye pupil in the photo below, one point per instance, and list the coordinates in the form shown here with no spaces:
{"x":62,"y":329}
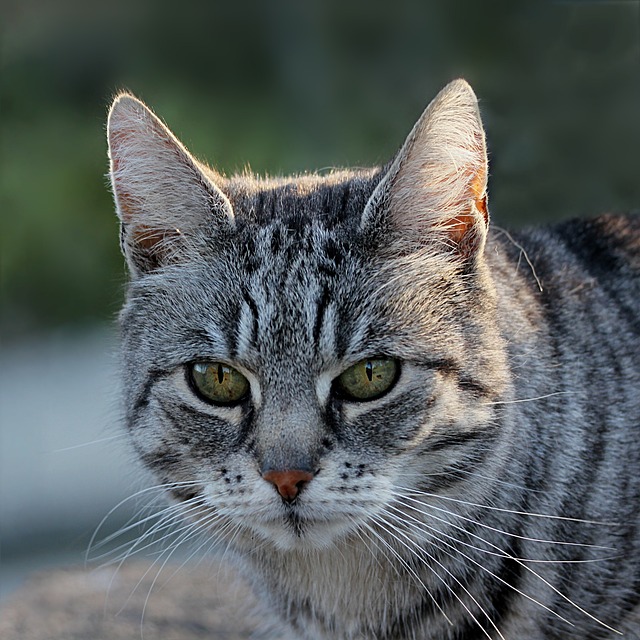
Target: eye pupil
{"x":220,"y":374}
{"x":369,"y":370}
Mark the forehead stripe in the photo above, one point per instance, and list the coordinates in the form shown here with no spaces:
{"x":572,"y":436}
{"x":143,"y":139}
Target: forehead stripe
{"x":321,"y":309}
{"x":246,"y":330}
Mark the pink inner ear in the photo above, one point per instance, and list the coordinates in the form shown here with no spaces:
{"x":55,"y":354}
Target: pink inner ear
{"x":479,"y":192}
{"x":459,"y":227}
{"x":153,"y":240}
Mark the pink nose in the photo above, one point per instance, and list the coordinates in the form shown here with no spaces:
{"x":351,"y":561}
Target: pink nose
{"x":288,"y":483}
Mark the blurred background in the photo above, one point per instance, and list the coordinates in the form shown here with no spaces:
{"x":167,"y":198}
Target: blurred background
{"x":282,"y":86}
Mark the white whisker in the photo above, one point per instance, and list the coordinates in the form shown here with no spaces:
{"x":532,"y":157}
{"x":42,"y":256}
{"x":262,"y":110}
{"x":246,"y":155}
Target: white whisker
{"x":417,"y":492}
{"x":136,"y":548}
{"x":405,"y":564}
{"x":495,"y":529}
{"x":164,"y":523}
{"x":488,"y":571}
{"x":522,"y":253}
{"x":546,"y":395}
{"x":210,"y":540}
{"x":521,"y":563}
{"x":190,"y":533}
{"x":88,"y":444}
{"x":160,"y":488}
{"x":132,"y":524}
{"x":364,"y":536}
{"x":394,"y":535}
{"x":500,"y":553}
{"x":493,"y":480}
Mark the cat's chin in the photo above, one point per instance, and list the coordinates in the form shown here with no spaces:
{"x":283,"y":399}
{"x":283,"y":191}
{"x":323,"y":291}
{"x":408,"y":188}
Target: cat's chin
{"x":303,"y":535}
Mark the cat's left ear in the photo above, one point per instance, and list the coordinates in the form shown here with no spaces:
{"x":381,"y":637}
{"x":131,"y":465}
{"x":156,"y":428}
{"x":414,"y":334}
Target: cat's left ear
{"x":435,"y":191}
{"x":163,"y":196}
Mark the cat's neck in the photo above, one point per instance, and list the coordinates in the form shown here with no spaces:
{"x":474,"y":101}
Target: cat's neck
{"x":374,"y":583}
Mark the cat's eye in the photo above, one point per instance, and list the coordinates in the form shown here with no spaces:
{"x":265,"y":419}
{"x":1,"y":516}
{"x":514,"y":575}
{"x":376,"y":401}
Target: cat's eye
{"x":218,"y":383}
{"x":368,"y":379}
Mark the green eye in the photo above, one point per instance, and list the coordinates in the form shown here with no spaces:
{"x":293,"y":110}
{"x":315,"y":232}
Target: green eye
{"x":368,"y":379}
{"x":218,"y":382}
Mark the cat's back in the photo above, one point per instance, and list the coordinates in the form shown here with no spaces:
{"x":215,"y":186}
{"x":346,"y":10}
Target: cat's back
{"x":569,"y":310}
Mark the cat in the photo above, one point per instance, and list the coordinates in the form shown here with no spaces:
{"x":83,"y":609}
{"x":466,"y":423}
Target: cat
{"x":399,"y":421}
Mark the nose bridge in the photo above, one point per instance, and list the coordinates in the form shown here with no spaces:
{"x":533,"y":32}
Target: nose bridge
{"x":288,"y":432}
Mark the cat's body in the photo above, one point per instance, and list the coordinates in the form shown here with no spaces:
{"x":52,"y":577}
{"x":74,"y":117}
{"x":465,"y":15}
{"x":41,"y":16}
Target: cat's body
{"x":507,"y":434}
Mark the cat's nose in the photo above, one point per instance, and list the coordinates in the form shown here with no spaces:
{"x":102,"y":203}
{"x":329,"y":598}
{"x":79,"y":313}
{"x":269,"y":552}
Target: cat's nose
{"x":288,"y":483}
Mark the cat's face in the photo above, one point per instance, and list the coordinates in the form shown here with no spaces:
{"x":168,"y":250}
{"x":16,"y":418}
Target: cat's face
{"x":298,"y":352}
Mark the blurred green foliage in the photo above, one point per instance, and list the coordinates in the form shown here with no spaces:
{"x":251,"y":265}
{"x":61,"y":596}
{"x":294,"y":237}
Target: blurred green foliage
{"x":291,"y":86}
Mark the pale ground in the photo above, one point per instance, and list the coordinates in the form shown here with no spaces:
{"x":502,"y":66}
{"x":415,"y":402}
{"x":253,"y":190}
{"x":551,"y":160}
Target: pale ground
{"x":63,"y":465}
{"x":197,"y":603}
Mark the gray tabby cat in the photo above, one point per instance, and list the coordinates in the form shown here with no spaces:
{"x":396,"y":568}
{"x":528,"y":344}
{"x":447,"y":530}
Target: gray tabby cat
{"x":401,"y":423}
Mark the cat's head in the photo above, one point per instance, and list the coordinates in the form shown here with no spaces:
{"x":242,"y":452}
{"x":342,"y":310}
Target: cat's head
{"x":298,"y":351}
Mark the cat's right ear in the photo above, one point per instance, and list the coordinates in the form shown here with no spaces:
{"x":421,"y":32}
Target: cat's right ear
{"x":163,"y":196}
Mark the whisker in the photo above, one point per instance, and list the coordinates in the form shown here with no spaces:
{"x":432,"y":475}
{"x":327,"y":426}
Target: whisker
{"x":194,"y":530}
{"x":181,"y":533}
{"x":496,"y":530}
{"x":546,"y":395}
{"x":488,"y":571}
{"x":405,"y":564}
{"x":500,"y":553}
{"x":523,"y":252}
{"x":230,"y":542}
{"x":159,"y":487}
{"x":458,"y":598}
{"x":210,"y":540}
{"x":417,"y":492}
{"x":526,"y":567}
{"x":364,"y":536}
{"x":88,"y":444}
{"x":132,"y":523}
{"x":164,"y":523}
{"x":475,"y":474}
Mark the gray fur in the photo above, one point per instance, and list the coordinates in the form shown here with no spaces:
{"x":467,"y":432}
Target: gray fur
{"x":494,"y":491}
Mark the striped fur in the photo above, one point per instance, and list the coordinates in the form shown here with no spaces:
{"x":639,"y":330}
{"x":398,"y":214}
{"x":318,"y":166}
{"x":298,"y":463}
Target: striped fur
{"x":494,"y":491}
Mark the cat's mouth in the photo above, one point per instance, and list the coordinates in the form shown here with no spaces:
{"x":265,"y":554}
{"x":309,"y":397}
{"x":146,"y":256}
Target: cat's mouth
{"x":293,"y":530}
{"x":295,"y":523}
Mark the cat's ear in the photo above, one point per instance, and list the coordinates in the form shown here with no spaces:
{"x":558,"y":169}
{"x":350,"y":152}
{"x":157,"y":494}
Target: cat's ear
{"x":435,"y":191}
{"x":162,"y":195}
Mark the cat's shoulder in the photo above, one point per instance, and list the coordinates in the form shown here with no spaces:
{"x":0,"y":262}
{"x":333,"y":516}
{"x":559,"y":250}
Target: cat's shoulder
{"x":577,"y":262}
